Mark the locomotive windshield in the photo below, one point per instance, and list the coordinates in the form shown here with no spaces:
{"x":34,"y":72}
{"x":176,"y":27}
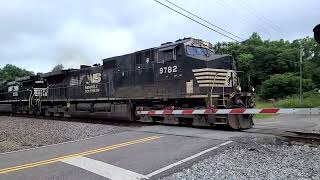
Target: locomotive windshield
{"x":197,"y":51}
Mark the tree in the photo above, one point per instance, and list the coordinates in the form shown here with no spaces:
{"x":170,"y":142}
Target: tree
{"x":311,"y":58}
{"x":254,"y":40}
{"x":58,"y":67}
{"x":10,"y":72}
{"x":283,"y":85}
{"x":260,"y":59}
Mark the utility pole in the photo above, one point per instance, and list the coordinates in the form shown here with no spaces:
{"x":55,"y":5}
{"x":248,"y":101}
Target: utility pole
{"x":301,"y":53}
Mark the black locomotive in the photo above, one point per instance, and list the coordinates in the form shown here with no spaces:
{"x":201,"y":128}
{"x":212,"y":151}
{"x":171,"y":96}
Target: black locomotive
{"x":185,"y":74}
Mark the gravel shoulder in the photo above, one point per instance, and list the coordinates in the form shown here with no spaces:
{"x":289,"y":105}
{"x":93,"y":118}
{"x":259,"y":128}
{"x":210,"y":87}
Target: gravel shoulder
{"x":260,"y":158}
{"x":18,"y":133}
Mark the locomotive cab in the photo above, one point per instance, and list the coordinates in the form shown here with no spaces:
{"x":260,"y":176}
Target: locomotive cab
{"x":201,"y":70}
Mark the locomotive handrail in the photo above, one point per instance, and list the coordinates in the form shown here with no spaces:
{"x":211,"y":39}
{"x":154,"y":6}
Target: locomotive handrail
{"x":69,"y":88}
{"x":214,"y":79}
{"x":72,"y":89}
{"x":12,"y":99}
{"x":14,"y":91}
{"x":30,"y":99}
{"x":164,"y":95}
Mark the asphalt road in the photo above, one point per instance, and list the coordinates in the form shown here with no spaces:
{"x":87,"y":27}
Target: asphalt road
{"x":139,"y":153}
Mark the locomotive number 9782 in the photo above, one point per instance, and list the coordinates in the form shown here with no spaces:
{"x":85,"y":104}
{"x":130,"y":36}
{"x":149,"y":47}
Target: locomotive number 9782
{"x":168,"y":69}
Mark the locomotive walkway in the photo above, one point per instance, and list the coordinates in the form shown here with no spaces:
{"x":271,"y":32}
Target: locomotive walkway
{"x":139,"y":153}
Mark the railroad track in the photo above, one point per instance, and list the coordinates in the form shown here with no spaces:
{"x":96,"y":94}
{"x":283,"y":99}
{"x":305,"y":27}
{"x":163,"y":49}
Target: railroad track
{"x":311,"y":139}
{"x":294,"y":137}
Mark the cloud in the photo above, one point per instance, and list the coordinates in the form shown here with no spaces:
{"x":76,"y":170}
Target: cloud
{"x":37,"y":35}
{"x":88,"y":45}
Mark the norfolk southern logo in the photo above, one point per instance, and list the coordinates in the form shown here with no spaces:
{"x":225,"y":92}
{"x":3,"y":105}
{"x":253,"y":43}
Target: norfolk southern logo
{"x":92,"y":83}
{"x":93,"y":78}
{"x":14,"y":90}
{"x":89,"y":81}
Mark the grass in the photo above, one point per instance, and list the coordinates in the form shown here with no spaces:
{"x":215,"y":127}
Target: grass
{"x":294,"y":102}
{"x":309,"y":101}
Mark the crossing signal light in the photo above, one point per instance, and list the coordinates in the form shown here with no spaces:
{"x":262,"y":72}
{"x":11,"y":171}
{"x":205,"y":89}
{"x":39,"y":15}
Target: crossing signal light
{"x":316,"y":31}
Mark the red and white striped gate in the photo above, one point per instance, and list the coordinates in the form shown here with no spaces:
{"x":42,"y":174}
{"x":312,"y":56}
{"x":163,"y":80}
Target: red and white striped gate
{"x":310,"y":111}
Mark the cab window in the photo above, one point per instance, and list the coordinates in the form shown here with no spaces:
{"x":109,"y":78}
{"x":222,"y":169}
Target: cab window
{"x":167,"y":54}
{"x":197,"y":51}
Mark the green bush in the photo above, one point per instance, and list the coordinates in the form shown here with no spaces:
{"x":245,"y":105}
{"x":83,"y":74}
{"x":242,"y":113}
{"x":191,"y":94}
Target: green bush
{"x":313,"y":93}
{"x":284,"y":85}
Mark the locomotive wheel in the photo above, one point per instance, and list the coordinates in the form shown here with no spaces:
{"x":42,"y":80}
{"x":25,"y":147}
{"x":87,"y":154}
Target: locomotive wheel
{"x":246,"y":121}
{"x":238,"y":122}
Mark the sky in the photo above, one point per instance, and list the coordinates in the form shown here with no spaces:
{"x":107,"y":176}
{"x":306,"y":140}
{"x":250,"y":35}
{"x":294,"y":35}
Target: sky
{"x":38,"y":34}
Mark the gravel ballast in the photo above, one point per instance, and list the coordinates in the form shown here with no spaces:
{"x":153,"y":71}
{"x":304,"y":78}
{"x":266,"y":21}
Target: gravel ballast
{"x":256,"y":161}
{"x":18,"y":133}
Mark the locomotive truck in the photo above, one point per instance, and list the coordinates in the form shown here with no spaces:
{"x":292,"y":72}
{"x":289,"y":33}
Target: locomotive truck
{"x":185,"y":74}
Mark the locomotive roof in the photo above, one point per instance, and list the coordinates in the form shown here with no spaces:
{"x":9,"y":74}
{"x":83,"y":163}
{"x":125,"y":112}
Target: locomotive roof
{"x":62,"y":72}
{"x":162,"y":46}
{"x":54,"y":73}
{"x":168,"y":44}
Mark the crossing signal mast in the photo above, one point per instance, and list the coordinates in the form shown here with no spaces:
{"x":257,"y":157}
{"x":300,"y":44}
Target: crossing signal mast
{"x":316,"y":31}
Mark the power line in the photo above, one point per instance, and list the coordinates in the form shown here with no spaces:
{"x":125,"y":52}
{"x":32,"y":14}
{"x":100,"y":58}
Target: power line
{"x":238,"y":14}
{"x":204,"y":20}
{"x":247,"y":6}
{"x":195,"y":20}
{"x":261,"y":17}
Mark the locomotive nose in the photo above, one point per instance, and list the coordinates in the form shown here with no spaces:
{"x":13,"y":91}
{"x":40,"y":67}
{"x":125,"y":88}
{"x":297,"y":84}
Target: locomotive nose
{"x":215,"y":74}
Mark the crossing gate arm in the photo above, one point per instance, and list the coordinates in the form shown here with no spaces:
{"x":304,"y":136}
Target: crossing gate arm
{"x":302,"y":111}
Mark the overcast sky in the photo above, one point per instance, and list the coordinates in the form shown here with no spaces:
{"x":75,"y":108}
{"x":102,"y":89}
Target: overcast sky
{"x":38,"y":34}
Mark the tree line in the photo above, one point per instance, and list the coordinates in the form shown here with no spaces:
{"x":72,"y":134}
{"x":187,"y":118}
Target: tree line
{"x":273,"y":66}
{"x":10,"y":72}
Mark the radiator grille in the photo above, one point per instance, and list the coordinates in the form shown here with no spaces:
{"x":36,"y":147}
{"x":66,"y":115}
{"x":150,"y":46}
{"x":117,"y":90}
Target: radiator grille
{"x":209,"y":77}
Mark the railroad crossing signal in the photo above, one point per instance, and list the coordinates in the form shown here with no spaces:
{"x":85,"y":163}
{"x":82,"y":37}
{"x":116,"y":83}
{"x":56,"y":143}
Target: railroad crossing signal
{"x":316,"y":31}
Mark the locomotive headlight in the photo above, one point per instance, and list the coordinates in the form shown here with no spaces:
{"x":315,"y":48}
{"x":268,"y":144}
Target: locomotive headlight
{"x":239,"y":88}
{"x":252,"y":89}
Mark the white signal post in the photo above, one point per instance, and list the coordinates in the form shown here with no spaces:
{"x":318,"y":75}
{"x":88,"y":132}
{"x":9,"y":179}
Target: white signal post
{"x":301,"y":54}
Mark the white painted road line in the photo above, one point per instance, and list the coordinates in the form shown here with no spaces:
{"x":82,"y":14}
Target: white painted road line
{"x":116,"y":173}
{"x":186,"y":159}
{"x":262,"y":123}
{"x":103,"y":169}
